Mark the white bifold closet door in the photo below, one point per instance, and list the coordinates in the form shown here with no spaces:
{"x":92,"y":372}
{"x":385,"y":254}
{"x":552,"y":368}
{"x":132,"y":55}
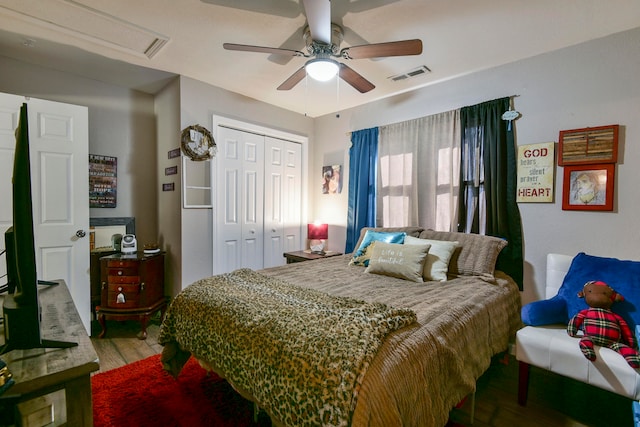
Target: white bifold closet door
{"x":240,"y":194}
{"x":258,"y":194}
{"x":282,"y":199}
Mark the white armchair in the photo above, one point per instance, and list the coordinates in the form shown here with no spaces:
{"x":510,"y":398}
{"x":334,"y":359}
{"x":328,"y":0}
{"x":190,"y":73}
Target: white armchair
{"x":551,"y":348}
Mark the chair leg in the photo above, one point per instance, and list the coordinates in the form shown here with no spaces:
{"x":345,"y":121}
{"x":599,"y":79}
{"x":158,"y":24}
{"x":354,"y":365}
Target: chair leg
{"x":523,"y":382}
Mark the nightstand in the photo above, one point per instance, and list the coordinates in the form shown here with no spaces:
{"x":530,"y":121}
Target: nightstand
{"x":132,"y":288}
{"x":300,"y":256}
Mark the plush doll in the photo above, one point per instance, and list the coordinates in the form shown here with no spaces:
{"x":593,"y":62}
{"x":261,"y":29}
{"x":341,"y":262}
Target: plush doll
{"x":601,"y":326}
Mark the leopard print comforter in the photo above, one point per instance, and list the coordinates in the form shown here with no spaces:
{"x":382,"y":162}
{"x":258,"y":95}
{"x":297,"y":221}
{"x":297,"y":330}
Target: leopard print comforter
{"x":301,"y":353}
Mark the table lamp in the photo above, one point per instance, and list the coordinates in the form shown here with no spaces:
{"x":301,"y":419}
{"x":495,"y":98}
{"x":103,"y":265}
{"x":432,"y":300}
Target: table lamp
{"x":317,"y":234}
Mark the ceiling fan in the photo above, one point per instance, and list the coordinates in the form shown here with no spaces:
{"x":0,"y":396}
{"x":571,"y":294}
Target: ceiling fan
{"x":323,"y":39}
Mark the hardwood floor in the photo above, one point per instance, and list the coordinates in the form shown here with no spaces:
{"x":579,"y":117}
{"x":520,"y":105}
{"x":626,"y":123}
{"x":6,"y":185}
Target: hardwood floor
{"x":121,"y":346}
{"x":554,"y":401}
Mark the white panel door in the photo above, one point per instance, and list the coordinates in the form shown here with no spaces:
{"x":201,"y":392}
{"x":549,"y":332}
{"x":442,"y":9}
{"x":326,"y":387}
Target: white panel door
{"x":283,"y":209}
{"x":273,"y":203}
{"x":253,"y":201}
{"x":240,"y":200}
{"x":292,"y":197}
{"x":59,"y":149}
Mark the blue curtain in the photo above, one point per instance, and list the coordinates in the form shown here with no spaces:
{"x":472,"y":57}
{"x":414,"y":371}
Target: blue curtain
{"x":363,"y":156}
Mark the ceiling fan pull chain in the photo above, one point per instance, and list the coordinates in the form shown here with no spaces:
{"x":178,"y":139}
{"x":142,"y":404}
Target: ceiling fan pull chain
{"x":306,"y":93}
{"x":337,"y":95}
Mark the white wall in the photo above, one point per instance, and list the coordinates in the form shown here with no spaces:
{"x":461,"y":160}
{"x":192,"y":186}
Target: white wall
{"x":592,"y":84}
{"x":121,"y":124}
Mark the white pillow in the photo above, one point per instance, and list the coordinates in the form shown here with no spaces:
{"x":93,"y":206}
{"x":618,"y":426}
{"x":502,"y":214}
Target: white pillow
{"x":436,"y":265}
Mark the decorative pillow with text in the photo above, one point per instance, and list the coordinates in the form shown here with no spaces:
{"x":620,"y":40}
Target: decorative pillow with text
{"x":396,"y":260}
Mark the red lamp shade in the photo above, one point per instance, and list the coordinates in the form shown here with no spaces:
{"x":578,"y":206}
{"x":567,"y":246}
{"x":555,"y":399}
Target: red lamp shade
{"x":318,"y":231}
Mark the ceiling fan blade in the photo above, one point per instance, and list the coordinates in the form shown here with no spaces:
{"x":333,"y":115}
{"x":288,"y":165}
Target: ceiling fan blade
{"x":377,"y":50}
{"x":355,"y":79}
{"x":319,"y":19}
{"x":293,"y":41}
{"x":261,"y":49}
{"x":293,"y":80}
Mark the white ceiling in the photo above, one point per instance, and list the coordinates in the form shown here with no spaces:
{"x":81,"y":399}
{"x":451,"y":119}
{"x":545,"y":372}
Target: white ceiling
{"x":106,"y":40}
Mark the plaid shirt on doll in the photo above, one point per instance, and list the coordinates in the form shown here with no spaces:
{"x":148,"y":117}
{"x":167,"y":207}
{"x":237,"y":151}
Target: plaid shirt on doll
{"x":605,"y":328}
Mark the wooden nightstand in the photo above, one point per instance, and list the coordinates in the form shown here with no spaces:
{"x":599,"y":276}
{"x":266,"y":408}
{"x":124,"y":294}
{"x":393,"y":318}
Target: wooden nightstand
{"x":300,"y":256}
{"x":132,"y":289}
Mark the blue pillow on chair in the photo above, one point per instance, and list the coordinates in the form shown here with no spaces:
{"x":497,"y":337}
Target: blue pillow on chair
{"x":622,"y":275}
{"x":545,"y":312}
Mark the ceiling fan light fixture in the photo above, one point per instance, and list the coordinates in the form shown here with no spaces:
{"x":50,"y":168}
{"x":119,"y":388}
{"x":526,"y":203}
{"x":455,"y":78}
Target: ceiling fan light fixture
{"x":322,"y":69}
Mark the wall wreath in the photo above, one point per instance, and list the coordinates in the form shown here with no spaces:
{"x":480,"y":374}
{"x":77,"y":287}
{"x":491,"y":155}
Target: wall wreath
{"x":197,"y":143}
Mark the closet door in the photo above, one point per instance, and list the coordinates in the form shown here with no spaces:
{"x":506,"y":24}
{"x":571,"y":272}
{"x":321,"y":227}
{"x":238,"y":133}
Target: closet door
{"x":292,"y":197}
{"x":240,"y":200}
{"x":282,"y":203}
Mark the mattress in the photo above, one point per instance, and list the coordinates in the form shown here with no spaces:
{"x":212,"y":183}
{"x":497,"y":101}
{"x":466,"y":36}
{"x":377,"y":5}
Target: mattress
{"x":421,"y":371}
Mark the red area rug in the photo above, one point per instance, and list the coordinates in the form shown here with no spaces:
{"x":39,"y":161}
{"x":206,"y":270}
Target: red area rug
{"x":142,"y":394}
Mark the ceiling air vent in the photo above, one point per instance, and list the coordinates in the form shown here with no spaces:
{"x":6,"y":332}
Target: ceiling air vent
{"x":411,"y":73}
{"x":88,"y":24}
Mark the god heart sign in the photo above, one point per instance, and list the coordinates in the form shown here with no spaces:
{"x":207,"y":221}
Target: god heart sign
{"x":536,"y":167}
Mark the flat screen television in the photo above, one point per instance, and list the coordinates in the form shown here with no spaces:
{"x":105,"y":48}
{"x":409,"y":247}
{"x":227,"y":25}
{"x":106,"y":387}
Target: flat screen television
{"x":21,"y":308}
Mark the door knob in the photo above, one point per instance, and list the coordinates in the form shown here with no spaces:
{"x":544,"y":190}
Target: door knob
{"x":81,"y":233}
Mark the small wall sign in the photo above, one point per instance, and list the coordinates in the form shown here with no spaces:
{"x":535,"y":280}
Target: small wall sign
{"x":536,"y":167}
{"x":172,"y":154}
{"x":172,"y":170}
{"x":103,"y":181}
{"x":168,"y":186}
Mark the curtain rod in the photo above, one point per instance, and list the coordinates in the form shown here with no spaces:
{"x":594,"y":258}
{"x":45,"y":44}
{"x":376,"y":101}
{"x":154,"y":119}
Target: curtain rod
{"x":509,"y":96}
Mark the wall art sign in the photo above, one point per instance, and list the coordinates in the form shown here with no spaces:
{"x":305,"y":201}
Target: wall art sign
{"x":588,"y":187}
{"x":172,"y":154}
{"x":588,"y":145}
{"x":536,"y":168}
{"x":170,"y":186}
{"x":103,"y":181}
{"x":171,"y":170}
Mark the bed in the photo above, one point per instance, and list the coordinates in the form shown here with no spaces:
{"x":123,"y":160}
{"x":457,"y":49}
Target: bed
{"x":446,"y":334}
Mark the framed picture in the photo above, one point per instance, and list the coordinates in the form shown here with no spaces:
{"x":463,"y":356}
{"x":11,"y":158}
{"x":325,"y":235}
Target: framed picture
{"x":103,"y":181}
{"x":588,"y":145}
{"x":332,"y":179}
{"x":588,"y":187}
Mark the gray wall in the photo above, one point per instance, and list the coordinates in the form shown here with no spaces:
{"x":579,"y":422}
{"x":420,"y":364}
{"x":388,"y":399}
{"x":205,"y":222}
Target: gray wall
{"x":121,"y":124}
{"x":592,"y":84}
{"x":167,"y":107}
{"x":198,"y":103}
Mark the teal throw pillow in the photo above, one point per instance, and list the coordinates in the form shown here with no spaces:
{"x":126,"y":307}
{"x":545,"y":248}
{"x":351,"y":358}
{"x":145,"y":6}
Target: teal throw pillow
{"x":361,"y":255}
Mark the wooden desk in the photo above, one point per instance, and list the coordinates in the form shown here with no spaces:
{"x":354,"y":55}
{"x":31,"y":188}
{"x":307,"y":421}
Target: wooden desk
{"x":38,"y":372}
